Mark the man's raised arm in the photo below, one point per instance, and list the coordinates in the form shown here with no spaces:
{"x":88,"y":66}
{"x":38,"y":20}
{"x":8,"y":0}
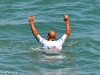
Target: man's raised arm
{"x":66,"y":19}
{"x":34,"y":31}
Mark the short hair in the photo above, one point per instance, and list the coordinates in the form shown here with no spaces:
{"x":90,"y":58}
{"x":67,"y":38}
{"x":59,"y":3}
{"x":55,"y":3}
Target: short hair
{"x":52,"y":34}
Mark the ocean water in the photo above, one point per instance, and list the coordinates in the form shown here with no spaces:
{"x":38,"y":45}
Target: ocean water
{"x":21,"y":54}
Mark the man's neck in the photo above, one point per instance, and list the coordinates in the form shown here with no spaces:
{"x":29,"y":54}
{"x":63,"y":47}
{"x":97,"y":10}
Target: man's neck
{"x":51,"y":39}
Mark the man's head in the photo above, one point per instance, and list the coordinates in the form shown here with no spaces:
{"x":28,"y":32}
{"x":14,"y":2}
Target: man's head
{"x":51,"y":35}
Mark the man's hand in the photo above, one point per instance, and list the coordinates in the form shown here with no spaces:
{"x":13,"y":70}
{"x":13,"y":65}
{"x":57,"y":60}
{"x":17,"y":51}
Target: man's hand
{"x":34,"y":31}
{"x":31,"y":18}
{"x":66,"y":18}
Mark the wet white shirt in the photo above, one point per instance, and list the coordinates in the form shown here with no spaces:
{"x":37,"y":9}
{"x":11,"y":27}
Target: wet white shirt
{"x":52,"y":45}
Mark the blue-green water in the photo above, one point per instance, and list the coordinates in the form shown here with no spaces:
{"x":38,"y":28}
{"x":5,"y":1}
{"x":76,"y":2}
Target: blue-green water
{"x":22,"y":54}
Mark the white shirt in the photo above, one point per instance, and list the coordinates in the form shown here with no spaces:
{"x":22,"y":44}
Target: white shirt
{"x":52,"y":46}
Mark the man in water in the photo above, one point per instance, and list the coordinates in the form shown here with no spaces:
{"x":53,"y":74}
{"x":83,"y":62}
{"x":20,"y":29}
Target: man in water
{"x":51,"y":44}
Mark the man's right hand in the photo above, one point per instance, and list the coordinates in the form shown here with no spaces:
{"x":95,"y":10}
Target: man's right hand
{"x":31,"y":18}
{"x":66,"y":18}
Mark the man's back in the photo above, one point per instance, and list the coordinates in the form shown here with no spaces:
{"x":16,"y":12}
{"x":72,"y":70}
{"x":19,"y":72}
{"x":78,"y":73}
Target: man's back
{"x":52,"y":45}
